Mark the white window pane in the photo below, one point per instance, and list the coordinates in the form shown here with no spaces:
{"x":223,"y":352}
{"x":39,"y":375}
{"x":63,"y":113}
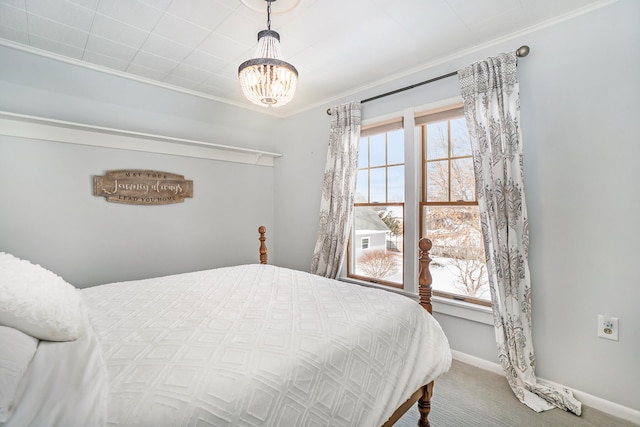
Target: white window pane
{"x":462,"y":180}
{"x":378,"y":190}
{"x":381,"y":259}
{"x":438,"y":181}
{"x":362,"y":186}
{"x":395,"y":147}
{"x":395,"y":183}
{"x":377,"y":155}
{"x":460,"y":142}
{"x":437,"y":141}
{"x":458,"y":264}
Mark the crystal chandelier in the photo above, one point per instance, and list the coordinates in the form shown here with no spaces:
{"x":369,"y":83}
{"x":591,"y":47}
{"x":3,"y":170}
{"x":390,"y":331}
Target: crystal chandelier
{"x":268,"y":80}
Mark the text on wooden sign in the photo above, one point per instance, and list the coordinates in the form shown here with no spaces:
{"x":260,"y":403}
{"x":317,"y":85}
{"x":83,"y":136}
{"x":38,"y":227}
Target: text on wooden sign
{"x":142,"y":187}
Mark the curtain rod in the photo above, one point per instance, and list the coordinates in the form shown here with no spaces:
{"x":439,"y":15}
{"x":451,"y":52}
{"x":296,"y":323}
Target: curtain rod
{"x":521,"y":52}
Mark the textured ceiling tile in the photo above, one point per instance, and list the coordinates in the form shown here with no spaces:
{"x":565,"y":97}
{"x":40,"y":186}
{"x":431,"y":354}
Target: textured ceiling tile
{"x":55,"y":47}
{"x":89,"y":4}
{"x":13,"y":18}
{"x":109,"y":48}
{"x":117,"y":31}
{"x":173,"y":28}
{"x":21,"y":4}
{"x":222,"y":47}
{"x":158,"y":63}
{"x":57,"y":32}
{"x":190,"y":73}
{"x":131,"y":12}
{"x":203,"y":60}
{"x":14,"y":35}
{"x":205,"y":13}
{"x":63,"y":12}
{"x":161,"y":46}
{"x":242,"y":29}
{"x":158,"y":4}
{"x":105,"y":61}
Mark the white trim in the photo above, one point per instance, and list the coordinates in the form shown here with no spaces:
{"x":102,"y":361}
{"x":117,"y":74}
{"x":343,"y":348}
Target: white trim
{"x":464,"y":310}
{"x":477,"y":362}
{"x":587,"y":399}
{"x":23,"y":126}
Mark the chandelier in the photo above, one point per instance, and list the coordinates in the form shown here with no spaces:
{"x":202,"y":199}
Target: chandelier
{"x":267,"y":80}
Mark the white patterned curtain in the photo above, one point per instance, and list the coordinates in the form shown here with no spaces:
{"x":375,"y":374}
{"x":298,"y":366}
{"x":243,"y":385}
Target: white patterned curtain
{"x":492,"y":109}
{"x":338,"y":192}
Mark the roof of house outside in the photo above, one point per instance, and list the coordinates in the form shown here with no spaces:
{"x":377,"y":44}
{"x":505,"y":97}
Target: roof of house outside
{"x":368,"y":219}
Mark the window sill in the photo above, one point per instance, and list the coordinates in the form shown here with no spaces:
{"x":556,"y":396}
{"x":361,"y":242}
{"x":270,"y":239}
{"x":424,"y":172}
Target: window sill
{"x":461,"y":309}
{"x":378,"y":286}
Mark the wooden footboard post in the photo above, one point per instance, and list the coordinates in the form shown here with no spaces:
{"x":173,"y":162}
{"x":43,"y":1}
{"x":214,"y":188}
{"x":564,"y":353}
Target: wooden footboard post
{"x":424,"y":277}
{"x":424,"y":405}
{"x":263,"y":248}
{"x":424,"y":393}
{"x":424,"y":291}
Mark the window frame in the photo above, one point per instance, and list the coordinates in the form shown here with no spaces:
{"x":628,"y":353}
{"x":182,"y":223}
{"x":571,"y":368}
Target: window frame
{"x":413,"y":190}
{"x":454,"y":112}
{"x":378,"y":128}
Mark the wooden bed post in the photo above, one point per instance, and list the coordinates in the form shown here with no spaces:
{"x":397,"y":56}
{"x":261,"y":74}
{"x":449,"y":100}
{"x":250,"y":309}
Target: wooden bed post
{"x":424,"y":393}
{"x":424,"y":277}
{"x":263,"y":248}
{"x":424,"y":291}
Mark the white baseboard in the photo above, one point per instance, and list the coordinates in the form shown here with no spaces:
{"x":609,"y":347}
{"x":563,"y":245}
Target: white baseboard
{"x":587,"y":399}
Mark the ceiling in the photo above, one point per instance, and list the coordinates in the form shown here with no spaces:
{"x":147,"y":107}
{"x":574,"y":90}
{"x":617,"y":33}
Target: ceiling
{"x":338,"y":46}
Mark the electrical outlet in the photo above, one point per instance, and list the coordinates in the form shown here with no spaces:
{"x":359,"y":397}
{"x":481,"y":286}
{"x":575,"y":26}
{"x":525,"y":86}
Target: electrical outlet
{"x":608,"y":327}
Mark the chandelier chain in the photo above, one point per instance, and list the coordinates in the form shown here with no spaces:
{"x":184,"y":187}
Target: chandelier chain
{"x":268,"y":14}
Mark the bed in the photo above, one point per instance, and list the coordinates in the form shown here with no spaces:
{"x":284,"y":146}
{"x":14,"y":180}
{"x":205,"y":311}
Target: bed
{"x":248,"y":345}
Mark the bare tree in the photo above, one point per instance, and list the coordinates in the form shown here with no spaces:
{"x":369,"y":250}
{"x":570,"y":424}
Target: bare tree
{"x":394,"y":223}
{"x":377,"y":263}
{"x":455,"y":229}
{"x":469,"y":266}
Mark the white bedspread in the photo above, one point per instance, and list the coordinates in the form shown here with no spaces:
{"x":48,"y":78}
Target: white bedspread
{"x":258,"y":345}
{"x":65,"y":385}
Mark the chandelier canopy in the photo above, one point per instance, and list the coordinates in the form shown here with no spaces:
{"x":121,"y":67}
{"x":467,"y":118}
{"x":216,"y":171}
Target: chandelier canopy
{"x":266,"y":79}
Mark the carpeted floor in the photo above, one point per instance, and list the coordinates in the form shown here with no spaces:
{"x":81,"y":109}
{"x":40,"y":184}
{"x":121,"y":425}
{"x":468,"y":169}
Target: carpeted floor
{"x":470,"y":397}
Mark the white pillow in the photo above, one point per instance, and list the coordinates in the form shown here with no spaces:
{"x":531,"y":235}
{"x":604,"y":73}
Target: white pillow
{"x":38,"y":302}
{"x":16,"y":352}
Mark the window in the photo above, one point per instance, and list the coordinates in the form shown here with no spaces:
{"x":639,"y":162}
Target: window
{"x":365,"y":243}
{"x":449,"y":213}
{"x":379,"y":207}
{"x":429,"y":168}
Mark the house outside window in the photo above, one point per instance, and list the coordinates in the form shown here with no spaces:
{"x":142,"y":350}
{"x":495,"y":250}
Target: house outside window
{"x":449,"y":213}
{"x":379,"y":206}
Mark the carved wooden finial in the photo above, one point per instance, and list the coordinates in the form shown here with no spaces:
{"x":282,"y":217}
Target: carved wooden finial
{"x":424,"y":278}
{"x":263,"y":248}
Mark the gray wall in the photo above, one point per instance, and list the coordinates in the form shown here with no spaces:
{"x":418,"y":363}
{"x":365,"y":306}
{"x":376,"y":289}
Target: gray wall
{"x":579,"y":98}
{"x":50,"y":216}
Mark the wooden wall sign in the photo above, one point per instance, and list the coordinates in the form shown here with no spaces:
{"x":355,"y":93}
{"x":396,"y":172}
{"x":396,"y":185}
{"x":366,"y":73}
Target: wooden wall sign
{"x":142,"y":187}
